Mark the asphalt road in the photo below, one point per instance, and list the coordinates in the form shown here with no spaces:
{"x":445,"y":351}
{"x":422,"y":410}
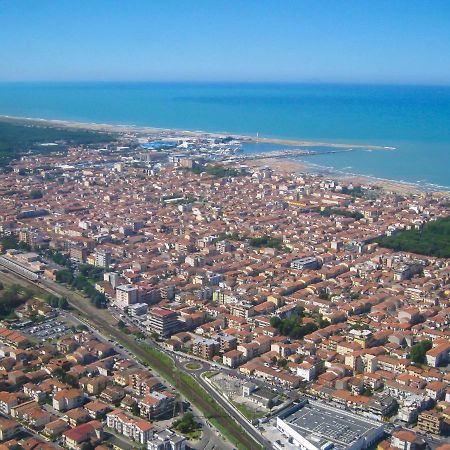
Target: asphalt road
{"x":105,"y":323}
{"x":228,"y":408}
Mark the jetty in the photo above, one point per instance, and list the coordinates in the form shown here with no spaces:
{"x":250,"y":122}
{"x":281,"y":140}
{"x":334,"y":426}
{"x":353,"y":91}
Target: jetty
{"x":292,"y":153}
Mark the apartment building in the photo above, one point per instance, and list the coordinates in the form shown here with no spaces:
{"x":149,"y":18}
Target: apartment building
{"x":103,"y":258}
{"x":156,"y":405}
{"x":8,"y":429}
{"x":137,"y":430}
{"x":439,"y":355}
{"x":7,"y":401}
{"x":167,"y":440}
{"x":430,"y":422}
{"x":68,"y":399}
{"x":86,"y":432}
{"x":162,"y":321}
{"x":205,"y":348}
{"x":126,"y":294}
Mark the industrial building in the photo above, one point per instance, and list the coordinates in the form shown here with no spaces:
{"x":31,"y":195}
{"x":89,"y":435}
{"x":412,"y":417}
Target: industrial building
{"x":314,"y":426}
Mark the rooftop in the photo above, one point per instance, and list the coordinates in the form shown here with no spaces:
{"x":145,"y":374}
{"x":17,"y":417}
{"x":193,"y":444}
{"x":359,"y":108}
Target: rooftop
{"x":162,"y":312}
{"x":320,"y":424}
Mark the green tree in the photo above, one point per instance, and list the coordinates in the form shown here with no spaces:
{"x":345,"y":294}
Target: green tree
{"x":65,"y":377}
{"x":186,"y":424}
{"x":275,"y":322}
{"x":12,"y":297}
{"x":64,"y":276}
{"x":368,"y":391}
{"x":135,"y":409}
{"x":419,"y":350}
{"x":91,"y":272}
{"x":87,"y":446}
{"x":266,"y":241}
{"x":36,"y":194}
{"x":329,"y":211}
{"x":63,"y":303}
{"x":9,"y":242}
{"x":432,"y":240}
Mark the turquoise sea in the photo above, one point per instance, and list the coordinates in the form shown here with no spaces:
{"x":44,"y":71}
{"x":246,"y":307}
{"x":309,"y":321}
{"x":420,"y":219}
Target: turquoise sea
{"x":413,"y":119}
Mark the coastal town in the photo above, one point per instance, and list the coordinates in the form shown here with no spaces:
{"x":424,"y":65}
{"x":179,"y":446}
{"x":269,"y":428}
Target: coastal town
{"x":155,"y":288}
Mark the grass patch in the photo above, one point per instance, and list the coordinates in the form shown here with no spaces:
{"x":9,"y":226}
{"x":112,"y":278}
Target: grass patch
{"x":210,"y":374}
{"x":193,"y":366}
{"x":190,"y":388}
{"x":194,"y":435}
{"x":249,"y":413}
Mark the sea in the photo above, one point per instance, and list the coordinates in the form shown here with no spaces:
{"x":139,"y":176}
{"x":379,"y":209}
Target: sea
{"x":415,"y":120}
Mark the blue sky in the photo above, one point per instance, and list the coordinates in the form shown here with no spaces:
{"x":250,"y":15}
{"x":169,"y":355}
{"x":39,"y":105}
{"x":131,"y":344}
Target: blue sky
{"x":383,"y":41}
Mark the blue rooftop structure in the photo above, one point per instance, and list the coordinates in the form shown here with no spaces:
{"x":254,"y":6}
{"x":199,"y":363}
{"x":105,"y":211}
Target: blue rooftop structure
{"x":157,"y":145}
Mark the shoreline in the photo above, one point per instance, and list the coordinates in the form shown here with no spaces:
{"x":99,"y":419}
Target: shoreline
{"x":289,"y":166}
{"x":283,"y":165}
{"x":121,"y":128}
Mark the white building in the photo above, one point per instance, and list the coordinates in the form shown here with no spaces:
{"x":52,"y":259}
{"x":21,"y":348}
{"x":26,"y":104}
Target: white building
{"x":137,"y":309}
{"x":313,"y":426}
{"x":102,"y":258}
{"x":126,"y":294}
{"x":137,"y":430}
{"x":307,"y":371}
{"x":167,"y":440}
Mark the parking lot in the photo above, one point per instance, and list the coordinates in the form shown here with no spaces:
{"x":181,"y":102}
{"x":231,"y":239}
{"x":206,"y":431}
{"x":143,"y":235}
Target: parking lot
{"x":49,"y":329}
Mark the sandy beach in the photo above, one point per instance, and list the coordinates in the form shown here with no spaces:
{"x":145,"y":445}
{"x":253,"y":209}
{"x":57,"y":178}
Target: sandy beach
{"x":171,"y":131}
{"x":288,"y":166}
{"x":282,"y":165}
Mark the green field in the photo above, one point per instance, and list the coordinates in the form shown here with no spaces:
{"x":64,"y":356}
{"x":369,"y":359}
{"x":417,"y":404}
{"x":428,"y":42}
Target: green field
{"x":432,"y":240}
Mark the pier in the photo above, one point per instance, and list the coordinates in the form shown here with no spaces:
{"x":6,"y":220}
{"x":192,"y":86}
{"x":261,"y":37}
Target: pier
{"x":294,"y":153}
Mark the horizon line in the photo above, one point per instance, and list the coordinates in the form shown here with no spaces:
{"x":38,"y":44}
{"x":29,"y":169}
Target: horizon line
{"x":233,"y":82}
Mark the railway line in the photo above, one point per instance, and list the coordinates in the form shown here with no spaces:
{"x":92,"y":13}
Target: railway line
{"x":103,"y":322}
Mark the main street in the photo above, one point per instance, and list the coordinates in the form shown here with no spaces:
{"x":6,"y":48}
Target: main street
{"x":180,"y":363}
{"x":197,"y":374}
{"x":104,"y":322}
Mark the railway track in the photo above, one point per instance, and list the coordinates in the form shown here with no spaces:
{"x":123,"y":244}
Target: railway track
{"x":103,"y":322}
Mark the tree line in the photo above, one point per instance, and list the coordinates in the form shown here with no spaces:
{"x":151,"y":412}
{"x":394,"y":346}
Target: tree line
{"x":432,"y":240}
{"x":11,"y":297}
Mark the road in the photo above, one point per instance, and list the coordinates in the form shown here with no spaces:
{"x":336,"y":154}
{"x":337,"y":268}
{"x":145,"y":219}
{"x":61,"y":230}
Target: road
{"x":180,"y":363}
{"x":197,"y":374}
{"x":210,"y":439}
{"x":103,"y":321}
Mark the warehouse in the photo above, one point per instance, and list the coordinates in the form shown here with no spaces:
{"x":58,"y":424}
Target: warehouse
{"x":314,"y":426}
